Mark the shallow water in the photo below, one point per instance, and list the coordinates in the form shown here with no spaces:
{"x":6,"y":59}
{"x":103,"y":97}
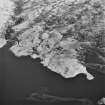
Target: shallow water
{"x":20,"y":77}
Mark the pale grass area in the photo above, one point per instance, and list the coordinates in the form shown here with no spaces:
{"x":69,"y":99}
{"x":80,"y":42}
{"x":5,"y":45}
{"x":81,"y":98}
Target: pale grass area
{"x":6,"y":7}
